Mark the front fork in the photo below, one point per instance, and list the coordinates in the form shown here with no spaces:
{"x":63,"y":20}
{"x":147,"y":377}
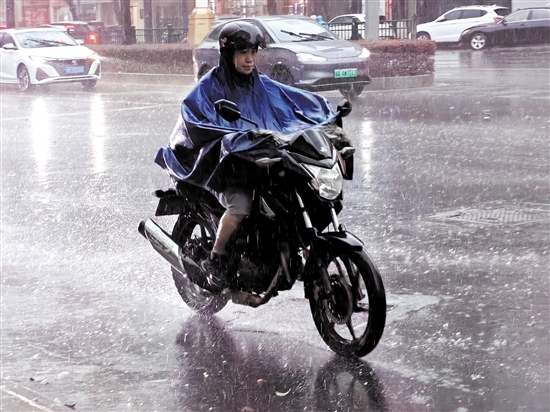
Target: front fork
{"x":313,"y":262}
{"x":323,"y":247}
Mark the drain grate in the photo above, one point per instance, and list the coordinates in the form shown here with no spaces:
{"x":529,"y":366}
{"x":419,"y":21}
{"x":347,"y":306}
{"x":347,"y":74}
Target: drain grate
{"x":498,"y":214}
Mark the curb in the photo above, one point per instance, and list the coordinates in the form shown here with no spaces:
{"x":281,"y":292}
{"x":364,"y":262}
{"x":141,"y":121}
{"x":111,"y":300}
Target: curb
{"x":377,"y":83}
{"x":17,"y":398}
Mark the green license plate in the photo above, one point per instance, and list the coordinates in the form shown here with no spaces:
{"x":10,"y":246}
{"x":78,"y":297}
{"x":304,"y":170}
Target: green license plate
{"x":341,"y":73}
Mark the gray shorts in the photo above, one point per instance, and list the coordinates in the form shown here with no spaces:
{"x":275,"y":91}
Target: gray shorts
{"x":236,"y":200}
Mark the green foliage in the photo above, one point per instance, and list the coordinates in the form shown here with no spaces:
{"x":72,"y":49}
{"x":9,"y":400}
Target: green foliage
{"x":388,"y":57}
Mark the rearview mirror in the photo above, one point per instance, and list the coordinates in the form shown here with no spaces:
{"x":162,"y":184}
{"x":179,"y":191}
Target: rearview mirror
{"x":228,"y":110}
{"x":344,"y":108}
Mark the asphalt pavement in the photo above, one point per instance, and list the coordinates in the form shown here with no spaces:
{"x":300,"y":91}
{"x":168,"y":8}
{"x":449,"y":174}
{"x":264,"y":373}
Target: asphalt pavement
{"x":451,"y":195}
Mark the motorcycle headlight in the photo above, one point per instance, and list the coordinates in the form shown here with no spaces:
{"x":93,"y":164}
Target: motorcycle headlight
{"x":328,"y":182}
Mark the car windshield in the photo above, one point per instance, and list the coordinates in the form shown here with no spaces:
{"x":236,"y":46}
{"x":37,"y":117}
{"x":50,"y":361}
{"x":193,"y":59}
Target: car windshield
{"x":298,"y":30}
{"x":50,"y":38}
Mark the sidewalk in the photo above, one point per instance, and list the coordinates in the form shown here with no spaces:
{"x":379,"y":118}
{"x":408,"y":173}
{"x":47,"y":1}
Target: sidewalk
{"x":17,"y":398}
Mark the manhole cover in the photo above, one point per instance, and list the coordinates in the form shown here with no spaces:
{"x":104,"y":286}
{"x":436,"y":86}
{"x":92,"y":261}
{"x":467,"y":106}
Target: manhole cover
{"x":498,"y":214}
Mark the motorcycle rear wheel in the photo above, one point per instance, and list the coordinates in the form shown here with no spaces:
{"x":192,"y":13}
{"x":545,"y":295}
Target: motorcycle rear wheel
{"x":351,"y":324}
{"x":199,"y":234}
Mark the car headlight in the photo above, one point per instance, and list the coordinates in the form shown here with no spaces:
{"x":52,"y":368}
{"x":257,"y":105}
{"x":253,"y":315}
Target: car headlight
{"x":38,"y":59}
{"x":364,"y":54}
{"x":306,"y":57}
{"x":328,"y":182}
{"x":93,"y":57}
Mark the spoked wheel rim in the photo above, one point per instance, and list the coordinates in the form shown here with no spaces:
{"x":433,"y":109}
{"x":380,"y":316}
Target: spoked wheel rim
{"x":196,"y":238}
{"x":352,"y":302}
{"x":478,"y":42}
{"x":351,"y":315}
{"x":23,"y":78}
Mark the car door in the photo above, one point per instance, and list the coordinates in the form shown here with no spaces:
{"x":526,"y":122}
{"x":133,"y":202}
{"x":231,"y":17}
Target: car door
{"x":445,"y":27}
{"x":8,"y":59}
{"x":514,"y":28}
{"x":537,"y":28}
{"x":470,"y":18}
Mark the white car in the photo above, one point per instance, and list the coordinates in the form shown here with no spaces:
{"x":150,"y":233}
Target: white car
{"x":448,"y":27}
{"x":30,"y":57}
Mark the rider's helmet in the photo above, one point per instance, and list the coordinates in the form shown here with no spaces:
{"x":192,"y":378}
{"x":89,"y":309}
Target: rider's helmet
{"x":237,"y":36}
{"x":240,"y":36}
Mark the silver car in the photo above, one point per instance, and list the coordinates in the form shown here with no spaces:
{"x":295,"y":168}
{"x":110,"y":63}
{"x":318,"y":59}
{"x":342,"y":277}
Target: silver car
{"x":300,"y":52}
{"x":30,"y":57}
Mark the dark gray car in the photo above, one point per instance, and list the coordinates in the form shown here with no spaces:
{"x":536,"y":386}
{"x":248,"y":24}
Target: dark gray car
{"x":300,"y":52}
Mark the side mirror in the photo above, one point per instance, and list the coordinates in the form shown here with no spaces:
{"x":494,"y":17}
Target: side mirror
{"x":344,"y":108}
{"x":80,"y":42}
{"x":228,"y":110}
{"x":9,"y":46}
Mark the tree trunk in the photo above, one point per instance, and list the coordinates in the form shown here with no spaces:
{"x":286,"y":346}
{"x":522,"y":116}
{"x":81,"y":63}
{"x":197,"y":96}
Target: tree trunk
{"x":10,"y":14}
{"x":271,"y":7}
{"x":73,"y":9}
{"x":127,"y":32}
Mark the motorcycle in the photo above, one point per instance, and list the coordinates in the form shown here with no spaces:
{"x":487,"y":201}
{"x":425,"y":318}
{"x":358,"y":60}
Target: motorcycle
{"x":292,"y":233}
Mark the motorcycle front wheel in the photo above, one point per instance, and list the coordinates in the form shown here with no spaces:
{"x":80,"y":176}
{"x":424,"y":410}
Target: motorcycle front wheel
{"x":196,"y":237}
{"x":351,"y":319}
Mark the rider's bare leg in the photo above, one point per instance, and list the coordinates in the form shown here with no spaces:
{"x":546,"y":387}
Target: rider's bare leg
{"x":228,"y":225}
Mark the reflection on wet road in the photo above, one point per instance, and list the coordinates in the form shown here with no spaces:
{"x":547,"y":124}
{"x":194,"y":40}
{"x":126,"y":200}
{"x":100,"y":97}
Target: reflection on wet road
{"x":89,"y":311}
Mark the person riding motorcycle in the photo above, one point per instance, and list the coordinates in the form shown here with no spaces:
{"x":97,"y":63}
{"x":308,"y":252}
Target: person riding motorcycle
{"x":202,"y":138}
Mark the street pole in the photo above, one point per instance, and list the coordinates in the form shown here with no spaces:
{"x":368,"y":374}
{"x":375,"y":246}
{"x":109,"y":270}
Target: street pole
{"x":372,"y":20}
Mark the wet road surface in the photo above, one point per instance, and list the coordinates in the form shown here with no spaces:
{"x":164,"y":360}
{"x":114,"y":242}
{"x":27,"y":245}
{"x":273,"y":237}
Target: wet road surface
{"x":451,"y":196}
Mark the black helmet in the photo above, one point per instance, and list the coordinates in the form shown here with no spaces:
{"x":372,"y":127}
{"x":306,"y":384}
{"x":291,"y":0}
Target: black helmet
{"x":240,"y":35}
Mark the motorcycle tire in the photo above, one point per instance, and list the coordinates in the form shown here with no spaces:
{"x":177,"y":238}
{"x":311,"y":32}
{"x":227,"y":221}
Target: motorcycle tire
{"x":352,"y":320}
{"x":197,"y":233}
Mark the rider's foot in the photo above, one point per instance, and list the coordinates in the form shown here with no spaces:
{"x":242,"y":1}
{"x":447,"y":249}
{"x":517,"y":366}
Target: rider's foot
{"x":215,"y":266}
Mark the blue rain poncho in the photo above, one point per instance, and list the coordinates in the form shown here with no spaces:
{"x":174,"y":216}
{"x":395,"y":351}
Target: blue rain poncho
{"x":203,"y":143}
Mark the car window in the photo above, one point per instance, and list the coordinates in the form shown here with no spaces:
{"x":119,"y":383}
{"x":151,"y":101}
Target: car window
{"x":472,"y":14}
{"x":267,"y":37}
{"x":453,"y":15}
{"x":297,"y":26}
{"x":502,"y":12}
{"x":6,"y":39}
{"x":37,"y":39}
{"x":215,"y":34}
{"x":520,"y":15}
{"x":540,"y":14}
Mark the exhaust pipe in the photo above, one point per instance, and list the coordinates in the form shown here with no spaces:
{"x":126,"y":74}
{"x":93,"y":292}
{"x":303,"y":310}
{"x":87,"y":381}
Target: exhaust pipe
{"x":164,"y":245}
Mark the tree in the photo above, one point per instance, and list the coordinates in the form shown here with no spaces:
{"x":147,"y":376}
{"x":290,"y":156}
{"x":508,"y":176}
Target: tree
{"x":72,"y":8}
{"x":10,"y":13}
{"x":271,"y":7}
{"x":127,"y":34}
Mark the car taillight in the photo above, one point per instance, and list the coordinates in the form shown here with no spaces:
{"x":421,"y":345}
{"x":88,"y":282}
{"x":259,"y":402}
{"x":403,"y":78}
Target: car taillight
{"x":497,"y":19}
{"x":69,"y":26}
{"x":92,"y":38}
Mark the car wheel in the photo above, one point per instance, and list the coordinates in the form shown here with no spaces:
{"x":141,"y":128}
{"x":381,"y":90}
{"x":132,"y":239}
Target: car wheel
{"x":479,"y":41}
{"x":89,"y":84}
{"x":351,"y":92}
{"x":282,"y":75}
{"x":423,"y":36}
{"x":24,"y":79}
{"x":204,"y":69}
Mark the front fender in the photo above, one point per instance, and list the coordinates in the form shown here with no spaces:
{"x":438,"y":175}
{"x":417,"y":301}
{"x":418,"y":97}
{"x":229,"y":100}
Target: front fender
{"x":336,"y":242}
